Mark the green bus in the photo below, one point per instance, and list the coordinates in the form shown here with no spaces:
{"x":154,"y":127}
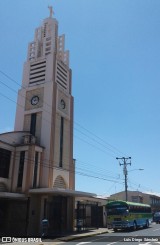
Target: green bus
{"x":123,"y":215}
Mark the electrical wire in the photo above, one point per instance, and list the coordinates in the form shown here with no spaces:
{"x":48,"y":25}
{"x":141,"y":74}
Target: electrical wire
{"x":105,"y":144}
{"x":93,"y":137}
{"x":48,"y":165}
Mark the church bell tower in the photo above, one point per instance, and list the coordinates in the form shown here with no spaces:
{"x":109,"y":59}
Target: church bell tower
{"x":45,"y":104}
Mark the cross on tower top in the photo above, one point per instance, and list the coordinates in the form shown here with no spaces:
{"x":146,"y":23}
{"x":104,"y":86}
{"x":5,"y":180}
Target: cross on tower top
{"x":51,"y":11}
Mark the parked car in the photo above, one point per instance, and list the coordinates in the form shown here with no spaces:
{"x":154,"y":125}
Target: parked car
{"x":156,"y":217}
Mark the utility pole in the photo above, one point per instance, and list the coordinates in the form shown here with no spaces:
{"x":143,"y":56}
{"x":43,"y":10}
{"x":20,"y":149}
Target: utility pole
{"x":125,"y":172}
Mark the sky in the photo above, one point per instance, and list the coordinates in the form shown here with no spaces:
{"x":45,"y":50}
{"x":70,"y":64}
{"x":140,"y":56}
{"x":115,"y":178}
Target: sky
{"x":115,"y":60}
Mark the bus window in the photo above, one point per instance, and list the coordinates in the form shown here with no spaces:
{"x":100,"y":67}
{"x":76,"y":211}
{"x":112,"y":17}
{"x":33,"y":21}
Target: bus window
{"x":117,"y":210}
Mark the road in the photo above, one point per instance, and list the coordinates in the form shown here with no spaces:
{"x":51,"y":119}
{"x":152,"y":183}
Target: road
{"x":147,"y":236}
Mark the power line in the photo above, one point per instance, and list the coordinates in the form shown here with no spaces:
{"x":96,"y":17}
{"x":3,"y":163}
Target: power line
{"x":49,"y":122}
{"x":108,"y":173}
{"x":102,"y":140}
{"x":48,"y":165}
{"x":101,"y":169}
{"x":107,"y":145}
{"x":93,"y":137}
{"x":93,"y":146}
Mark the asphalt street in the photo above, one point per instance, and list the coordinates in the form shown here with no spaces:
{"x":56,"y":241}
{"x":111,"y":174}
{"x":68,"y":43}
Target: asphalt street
{"x":147,"y":236}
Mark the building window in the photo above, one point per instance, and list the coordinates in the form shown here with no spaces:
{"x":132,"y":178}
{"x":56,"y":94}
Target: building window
{"x":5,"y":157}
{"x":35,"y":170}
{"x":61,"y":142}
{"x":33,"y":124}
{"x":21,"y":167}
{"x":135,"y":199}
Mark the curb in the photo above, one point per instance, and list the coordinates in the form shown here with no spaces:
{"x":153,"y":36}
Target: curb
{"x":71,"y":238}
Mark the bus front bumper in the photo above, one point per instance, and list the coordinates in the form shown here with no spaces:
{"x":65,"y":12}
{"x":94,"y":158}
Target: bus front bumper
{"x":119,"y":225}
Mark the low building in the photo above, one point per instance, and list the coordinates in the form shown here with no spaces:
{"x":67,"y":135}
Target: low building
{"x":150,"y":198}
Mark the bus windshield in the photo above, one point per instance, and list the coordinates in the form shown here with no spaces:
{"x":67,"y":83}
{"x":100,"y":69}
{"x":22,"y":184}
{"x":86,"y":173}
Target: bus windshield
{"x":117,"y":210}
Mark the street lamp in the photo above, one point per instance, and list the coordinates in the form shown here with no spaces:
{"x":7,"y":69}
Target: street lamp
{"x":140,"y":169}
{"x":126,"y":185}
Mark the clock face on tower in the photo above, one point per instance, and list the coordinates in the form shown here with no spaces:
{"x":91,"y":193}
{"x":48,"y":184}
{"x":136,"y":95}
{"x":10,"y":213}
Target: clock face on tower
{"x":35,"y":100}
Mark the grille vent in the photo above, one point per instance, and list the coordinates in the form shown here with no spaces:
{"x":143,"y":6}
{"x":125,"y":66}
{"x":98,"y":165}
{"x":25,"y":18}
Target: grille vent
{"x":62,"y":76}
{"x":37,"y":72}
{"x":59,"y":182}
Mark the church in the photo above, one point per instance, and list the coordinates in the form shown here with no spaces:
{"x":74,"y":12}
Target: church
{"x":37,"y":169}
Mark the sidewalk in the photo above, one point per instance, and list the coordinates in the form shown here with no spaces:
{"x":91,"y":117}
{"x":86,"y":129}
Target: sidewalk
{"x":75,"y":236}
{"x":66,"y":238}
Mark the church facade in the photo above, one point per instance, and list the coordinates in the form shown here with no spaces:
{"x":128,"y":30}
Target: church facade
{"x":37,"y":169}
